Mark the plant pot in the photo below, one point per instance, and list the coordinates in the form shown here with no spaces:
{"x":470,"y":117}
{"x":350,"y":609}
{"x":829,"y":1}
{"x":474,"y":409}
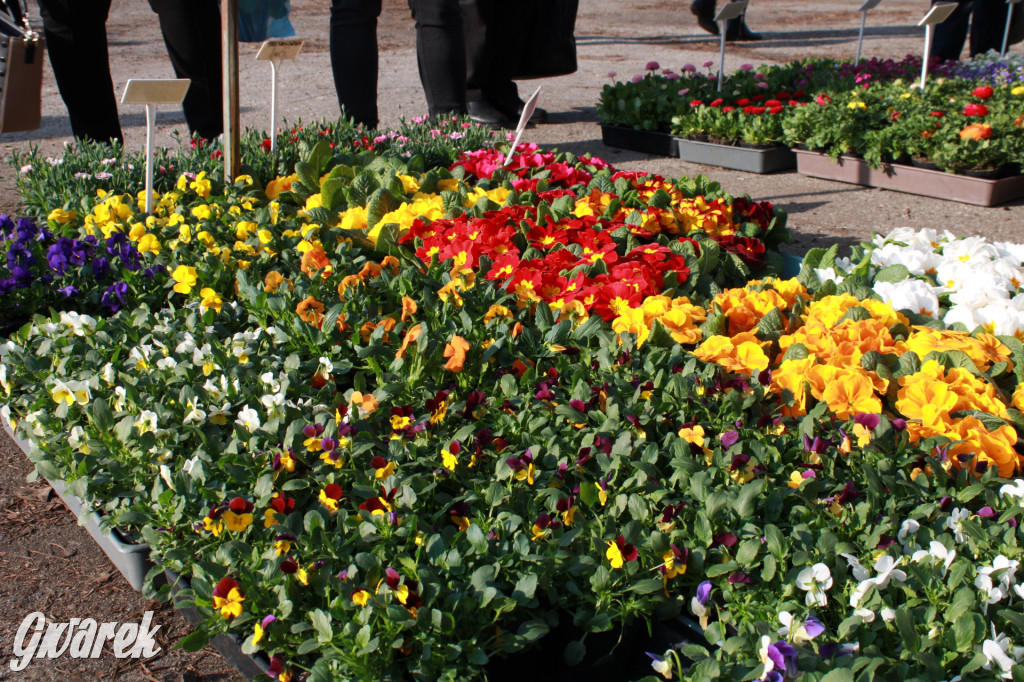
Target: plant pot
{"x":791,"y":265}
{"x":645,"y":141}
{"x":749,"y":159}
{"x":229,"y":646}
{"x":920,"y":181}
{"x":131,"y":559}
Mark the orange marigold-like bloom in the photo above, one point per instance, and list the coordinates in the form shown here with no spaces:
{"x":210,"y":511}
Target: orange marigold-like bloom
{"x":409,"y":308}
{"x":370,"y":270}
{"x":976,"y":131}
{"x":272,"y":281}
{"x":742,"y":353}
{"x":346,"y":282}
{"x":391,"y":263}
{"x":850,"y":392}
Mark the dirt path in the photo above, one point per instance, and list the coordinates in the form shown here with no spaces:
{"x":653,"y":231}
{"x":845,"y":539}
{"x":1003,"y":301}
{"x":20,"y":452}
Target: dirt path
{"x":48,"y":564}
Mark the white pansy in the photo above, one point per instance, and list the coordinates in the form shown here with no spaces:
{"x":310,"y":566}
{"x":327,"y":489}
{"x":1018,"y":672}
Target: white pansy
{"x":195,"y":415}
{"x":271,"y":381}
{"x":1015,"y":490}
{"x":887,"y":614}
{"x":955,"y":523}
{"x":325,"y":366}
{"x":908,"y":529}
{"x":166,"y":363}
{"x":80,"y":324}
{"x":989,"y":592}
{"x":936,"y":552}
{"x":146,"y":422}
{"x":190,"y":464}
{"x":108,"y":374}
{"x":865,"y":615}
{"x":886,"y":568}
{"x":859,"y":572}
{"x":248,"y":419}
{"x":815,"y":581}
{"x":1003,"y":569}
{"x":120,"y":398}
{"x":140,"y":356}
{"x":274,"y":404}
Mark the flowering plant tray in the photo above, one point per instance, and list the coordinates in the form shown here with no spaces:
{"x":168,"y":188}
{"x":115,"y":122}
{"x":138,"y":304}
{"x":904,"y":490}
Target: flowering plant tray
{"x":749,"y":159}
{"x":131,"y":559}
{"x":646,"y":141}
{"x":911,"y":180}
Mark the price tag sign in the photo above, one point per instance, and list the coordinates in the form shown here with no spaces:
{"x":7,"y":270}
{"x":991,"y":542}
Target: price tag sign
{"x":277,"y":50}
{"x":938,"y":14}
{"x":155,"y":91}
{"x":869,"y":5}
{"x":732,"y":10}
{"x":151,"y":93}
{"x":528,"y":109}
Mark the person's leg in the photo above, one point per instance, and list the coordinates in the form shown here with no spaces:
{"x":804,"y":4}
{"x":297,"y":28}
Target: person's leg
{"x":492,"y":96}
{"x":192,"y":33}
{"x":988,"y":22}
{"x":76,"y":40}
{"x":950,"y":35}
{"x":704,"y":10}
{"x":441,"y":54}
{"x":354,"y":57}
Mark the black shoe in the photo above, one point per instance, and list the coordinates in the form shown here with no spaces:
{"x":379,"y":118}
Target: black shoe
{"x":538,"y":116}
{"x":704,"y":10}
{"x":736,"y":30}
{"x":482,"y":112}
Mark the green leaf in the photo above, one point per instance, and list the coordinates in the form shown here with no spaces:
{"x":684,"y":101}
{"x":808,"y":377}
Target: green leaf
{"x":893,"y":273}
{"x":194,"y":641}
{"x":908,"y":631}
{"x":322,"y":624}
{"x":838,"y":675}
{"x":381,"y":202}
{"x":649,"y":586}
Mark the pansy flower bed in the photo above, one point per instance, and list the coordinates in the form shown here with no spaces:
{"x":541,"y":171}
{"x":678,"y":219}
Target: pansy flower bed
{"x":405,"y":422}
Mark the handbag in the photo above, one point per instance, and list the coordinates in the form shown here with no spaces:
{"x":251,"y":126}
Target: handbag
{"x":547,"y":27}
{"x":21,"y":70}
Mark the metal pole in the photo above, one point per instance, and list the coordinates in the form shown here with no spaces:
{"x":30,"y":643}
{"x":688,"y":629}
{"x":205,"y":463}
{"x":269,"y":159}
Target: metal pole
{"x":273,"y":105}
{"x":1006,"y":30}
{"x":860,"y":39}
{"x":229,"y":51}
{"x":929,"y":32}
{"x":721,"y":55}
{"x":150,"y":128}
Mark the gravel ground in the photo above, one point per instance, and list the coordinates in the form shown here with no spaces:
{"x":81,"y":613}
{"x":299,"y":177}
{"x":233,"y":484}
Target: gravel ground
{"x":49,"y":564}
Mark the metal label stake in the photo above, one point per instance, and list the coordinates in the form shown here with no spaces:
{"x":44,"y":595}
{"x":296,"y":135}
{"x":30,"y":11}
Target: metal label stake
{"x":1006,"y":29}
{"x":275,"y":51}
{"x":864,"y":9}
{"x":151,"y":93}
{"x":731,"y":11}
{"x":936,"y":15}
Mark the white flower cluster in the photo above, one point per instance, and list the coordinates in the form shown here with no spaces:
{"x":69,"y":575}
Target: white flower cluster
{"x":981,"y":280}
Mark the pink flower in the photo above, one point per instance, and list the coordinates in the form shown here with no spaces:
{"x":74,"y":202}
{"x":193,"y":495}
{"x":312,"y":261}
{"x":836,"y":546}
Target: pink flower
{"x":653,"y":66}
{"x":747,"y":67}
{"x":612,"y":74}
{"x":689,"y":68}
{"x":683,"y":91}
{"x":762,"y":85}
{"x":672,"y":76}
{"x":637,"y":78}
{"x":708,"y":64}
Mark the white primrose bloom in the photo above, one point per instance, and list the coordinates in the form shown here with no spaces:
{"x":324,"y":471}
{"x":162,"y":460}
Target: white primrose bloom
{"x":955,"y":523}
{"x":826,"y":274}
{"x":916,"y":261}
{"x":815,"y":581}
{"x":970,"y":250}
{"x":248,"y":419}
{"x":910,"y":294}
{"x":964,"y":314}
{"x":1010,"y":251}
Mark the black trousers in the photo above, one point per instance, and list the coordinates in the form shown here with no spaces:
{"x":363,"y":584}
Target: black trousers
{"x":440,"y":55}
{"x":192,"y":32}
{"x":488,"y":67}
{"x":76,"y":40}
{"x":987,"y":19}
